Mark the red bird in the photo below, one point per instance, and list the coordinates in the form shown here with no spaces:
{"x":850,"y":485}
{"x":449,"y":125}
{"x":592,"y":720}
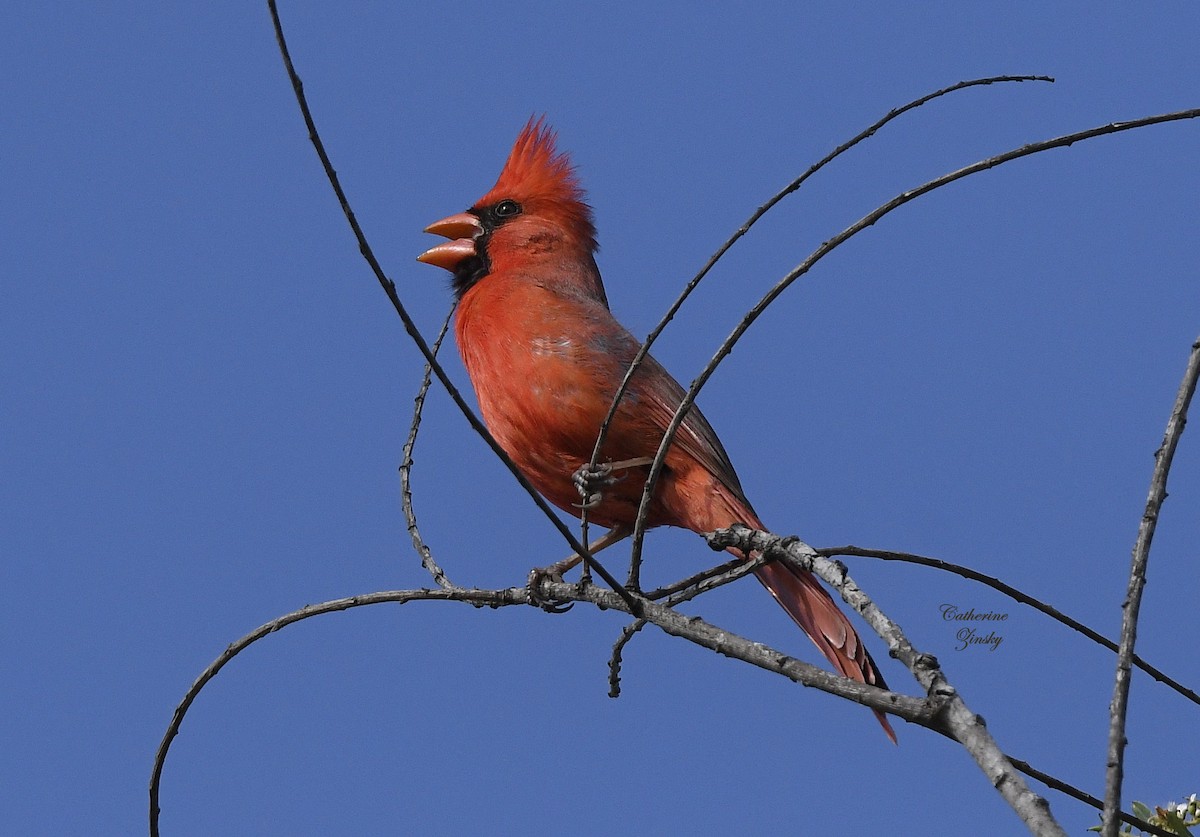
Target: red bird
{"x":546,"y":356}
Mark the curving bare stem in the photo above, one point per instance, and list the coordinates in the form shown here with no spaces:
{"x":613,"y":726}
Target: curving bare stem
{"x":1013,"y":593}
{"x":1114,"y":774}
{"x":406,"y":464}
{"x":867,"y":133}
{"x":669,"y":620}
{"x":672,"y":595}
{"x":493,"y":598}
{"x":830,"y":245}
{"x":615,"y":659}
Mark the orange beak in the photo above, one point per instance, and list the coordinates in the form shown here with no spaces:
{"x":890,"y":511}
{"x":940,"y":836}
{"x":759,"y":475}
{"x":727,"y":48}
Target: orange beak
{"x":462,"y":229}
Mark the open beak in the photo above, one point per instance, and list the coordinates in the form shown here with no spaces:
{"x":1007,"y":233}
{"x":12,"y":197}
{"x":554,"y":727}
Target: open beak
{"x":462,"y":230}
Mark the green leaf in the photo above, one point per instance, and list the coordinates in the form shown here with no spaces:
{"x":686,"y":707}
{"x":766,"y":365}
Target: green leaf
{"x":1141,"y":811}
{"x":1175,"y":823}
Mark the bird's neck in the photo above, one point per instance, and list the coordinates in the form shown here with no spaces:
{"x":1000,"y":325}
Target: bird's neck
{"x":570,"y":272}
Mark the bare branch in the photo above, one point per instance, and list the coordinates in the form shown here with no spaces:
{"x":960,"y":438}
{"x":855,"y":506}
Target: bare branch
{"x":674,"y":594}
{"x":1012,"y":593}
{"x":953,"y":715}
{"x":406,"y":463}
{"x":830,"y":245}
{"x":615,"y":660}
{"x":1086,"y":798}
{"x":490,"y":598}
{"x":703,"y":633}
{"x":717,"y":579}
{"x":1137,"y":581}
{"x":634,"y":567}
{"x":672,"y":622}
{"x":691,"y":580}
{"x":921,"y":712}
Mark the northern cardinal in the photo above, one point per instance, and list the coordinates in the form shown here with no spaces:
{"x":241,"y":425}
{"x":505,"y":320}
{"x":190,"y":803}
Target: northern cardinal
{"x":546,"y":356}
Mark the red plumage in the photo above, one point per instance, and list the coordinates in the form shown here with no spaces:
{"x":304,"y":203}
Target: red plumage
{"x":546,"y":357}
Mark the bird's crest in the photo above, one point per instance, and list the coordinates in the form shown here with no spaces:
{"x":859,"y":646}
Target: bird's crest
{"x":537,"y":174}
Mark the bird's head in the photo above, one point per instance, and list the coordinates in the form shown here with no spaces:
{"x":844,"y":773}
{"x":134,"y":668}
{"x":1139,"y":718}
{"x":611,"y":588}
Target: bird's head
{"x":535,"y":214}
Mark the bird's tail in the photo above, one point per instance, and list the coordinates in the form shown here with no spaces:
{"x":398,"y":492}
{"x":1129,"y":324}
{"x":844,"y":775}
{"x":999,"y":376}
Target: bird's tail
{"x":813,"y":609}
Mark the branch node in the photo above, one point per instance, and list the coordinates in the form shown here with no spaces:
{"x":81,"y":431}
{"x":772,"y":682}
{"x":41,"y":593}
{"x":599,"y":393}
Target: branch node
{"x":927,"y":662}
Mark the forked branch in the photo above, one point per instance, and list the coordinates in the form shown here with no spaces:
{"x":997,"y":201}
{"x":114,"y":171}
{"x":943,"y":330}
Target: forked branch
{"x":953,"y":717}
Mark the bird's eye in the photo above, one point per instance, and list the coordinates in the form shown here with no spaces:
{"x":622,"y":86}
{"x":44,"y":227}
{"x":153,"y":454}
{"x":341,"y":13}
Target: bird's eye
{"x":507,"y":209}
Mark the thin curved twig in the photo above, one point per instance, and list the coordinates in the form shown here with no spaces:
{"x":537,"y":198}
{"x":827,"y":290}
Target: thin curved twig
{"x":634,"y":569}
{"x":681,"y":592}
{"x":389,"y":287}
{"x":670,"y":621}
{"x":616,"y":658}
{"x":675,"y":594}
{"x":491,"y":598}
{"x":858,"y":226}
{"x":406,"y":463}
{"x":1114,"y":775}
{"x":696,"y":578}
{"x":713,"y":580}
{"x":1012,"y":593}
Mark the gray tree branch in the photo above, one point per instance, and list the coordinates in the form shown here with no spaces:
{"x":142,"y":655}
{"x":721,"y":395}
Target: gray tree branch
{"x":952,"y":716}
{"x":1114,"y":774}
{"x":941,"y":711}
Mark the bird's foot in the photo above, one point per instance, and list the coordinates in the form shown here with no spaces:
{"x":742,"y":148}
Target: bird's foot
{"x":590,"y":481}
{"x":539,"y":576}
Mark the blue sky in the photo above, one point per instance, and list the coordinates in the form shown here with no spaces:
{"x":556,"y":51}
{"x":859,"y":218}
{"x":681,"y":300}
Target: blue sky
{"x":205,"y":394}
